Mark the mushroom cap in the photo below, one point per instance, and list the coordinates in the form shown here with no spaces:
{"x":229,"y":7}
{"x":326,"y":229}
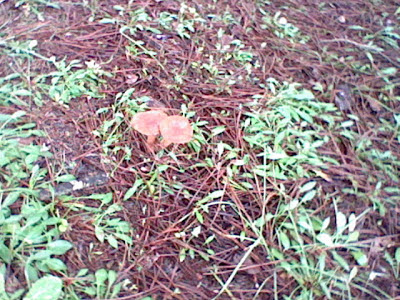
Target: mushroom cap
{"x":148,"y":122}
{"x":176,"y":129}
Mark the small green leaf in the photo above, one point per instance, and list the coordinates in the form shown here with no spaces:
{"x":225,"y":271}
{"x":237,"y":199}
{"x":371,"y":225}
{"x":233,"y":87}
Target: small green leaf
{"x":182,"y":255}
{"x":22,"y":92}
{"x":325,"y":289}
{"x":46,"y":288}
{"x":259,"y":222}
{"x":217,"y":130}
{"x":99,"y":232}
{"x":65,"y":178}
{"x":341,"y":261}
{"x":352,"y":222}
{"x":91,"y":291}
{"x":356,"y":27}
{"x":306,"y":117}
{"x":41,"y":255}
{"x":309,"y":196}
{"x":322,"y":262}
{"x":118,"y":7}
{"x":101,"y":276}
{"x":389,"y":71}
{"x":196,"y":231}
{"x":305,"y":224}
{"x":18,"y":114}
{"x":5,"y":253}
{"x":276,"y":254}
{"x":284,"y":239}
{"x":325,"y":223}
{"x":341,"y":222}
{"x":104,"y":198}
{"x":129,"y":193}
{"x":204,"y":256}
{"x":308,"y":186}
{"x":397,"y":255}
{"x":112,"y":277}
{"x":209,"y":239}
{"x":162,"y":168}
{"x":82,"y":272}
{"x":353,"y":237}
{"x":325,"y":239}
{"x":31,"y":272}
{"x":199,"y":217}
{"x":220,"y":148}
{"x":112,"y":241}
{"x":59,"y":247}
{"x":360,"y":257}
{"x":293,"y":204}
{"x":10,"y":199}
{"x":210,"y":251}
{"x":216,"y":194}
{"x":55,"y":264}
{"x":348,"y":123}
{"x":353,"y":273}
{"x":276,"y":156}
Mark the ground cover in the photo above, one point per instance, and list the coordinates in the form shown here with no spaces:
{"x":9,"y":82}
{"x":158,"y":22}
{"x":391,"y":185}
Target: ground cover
{"x":288,"y":190}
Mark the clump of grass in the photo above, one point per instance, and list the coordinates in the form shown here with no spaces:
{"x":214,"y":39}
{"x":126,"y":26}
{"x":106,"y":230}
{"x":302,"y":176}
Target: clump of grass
{"x":30,"y":233}
{"x":285,"y":134}
{"x":31,"y":229}
{"x":71,"y":81}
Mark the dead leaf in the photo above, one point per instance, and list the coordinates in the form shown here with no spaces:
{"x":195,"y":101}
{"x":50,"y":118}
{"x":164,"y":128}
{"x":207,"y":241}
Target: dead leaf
{"x":374,"y":104}
{"x":344,"y":98}
{"x":131,"y":78}
{"x":323,"y":175}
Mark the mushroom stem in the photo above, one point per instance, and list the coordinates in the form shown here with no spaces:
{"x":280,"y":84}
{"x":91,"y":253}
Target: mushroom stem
{"x":165,"y":143}
{"x":151,"y":139}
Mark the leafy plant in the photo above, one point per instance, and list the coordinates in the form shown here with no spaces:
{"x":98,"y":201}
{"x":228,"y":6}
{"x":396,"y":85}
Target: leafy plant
{"x":36,"y":6}
{"x":282,"y":28}
{"x":14,"y":87}
{"x":112,"y":229}
{"x":106,"y":226}
{"x":48,"y":287}
{"x":72,"y":80}
{"x":13,"y":90}
{"x":29,"y":237}
{"x":286,"y":135}
{"x":186,"y":21}
{"x":101,"y":285}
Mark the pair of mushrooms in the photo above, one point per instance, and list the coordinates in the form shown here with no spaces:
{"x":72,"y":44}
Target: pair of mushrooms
{"x":173,"y":129}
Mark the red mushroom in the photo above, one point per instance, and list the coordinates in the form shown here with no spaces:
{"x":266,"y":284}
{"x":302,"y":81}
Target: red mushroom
{"x":175,"y":129}
{"x":148,"y":123}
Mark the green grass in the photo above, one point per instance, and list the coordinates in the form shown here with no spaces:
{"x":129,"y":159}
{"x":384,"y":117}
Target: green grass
{"x":31,"y":229}
{"x":30,"y":236}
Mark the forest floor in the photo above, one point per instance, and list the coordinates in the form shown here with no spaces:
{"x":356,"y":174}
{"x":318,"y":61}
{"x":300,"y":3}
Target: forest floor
{"x":288,"y":190}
